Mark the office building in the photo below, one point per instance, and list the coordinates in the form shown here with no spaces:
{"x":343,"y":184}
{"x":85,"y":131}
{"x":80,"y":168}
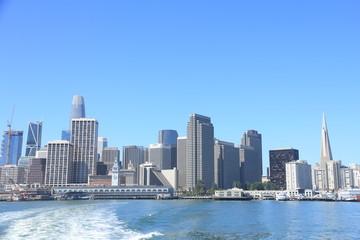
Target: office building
{"x":160,"y":155}
{"x":200,"y":151}
{"x":319,"y":180}
{"x":346,"y":178}
{"x":333,"y":174}
{"x":109,"y":155}
{"x":33,"y":142}
{"x":226,"y":164}
{"x":59,"y":164}
{"x":65,"y":135}
{"x":78,"y":107}
{"x":102,"y":143}
{"x":249,"y":169}
{"x":146,"y":176}
{"x":42,"y":153}
{"x":278,"y":159}
{"x":128,"y":177}
{"x":16,"y":173}
{"x":251,"y":157}
{"x":181,"y":161}
{"x":134,"y":156}
{"x":84,"y":135}
{"x":16,"y":139}
{"x":298,"y":175}
{"x":169,"y":137}
{"x":36,"y":171}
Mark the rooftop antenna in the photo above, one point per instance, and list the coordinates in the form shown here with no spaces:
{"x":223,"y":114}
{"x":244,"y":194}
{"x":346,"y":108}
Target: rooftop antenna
{"x":9,"y":136}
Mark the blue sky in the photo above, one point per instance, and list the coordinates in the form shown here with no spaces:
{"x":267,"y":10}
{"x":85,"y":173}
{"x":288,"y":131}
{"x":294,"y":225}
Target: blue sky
{"x":142,"y":66}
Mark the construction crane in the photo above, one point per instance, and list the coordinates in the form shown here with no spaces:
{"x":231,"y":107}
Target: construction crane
{"x":9,"y":136}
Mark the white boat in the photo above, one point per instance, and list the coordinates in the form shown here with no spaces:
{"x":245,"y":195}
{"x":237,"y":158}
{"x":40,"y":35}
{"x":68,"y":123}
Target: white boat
{"x":282,"y":197}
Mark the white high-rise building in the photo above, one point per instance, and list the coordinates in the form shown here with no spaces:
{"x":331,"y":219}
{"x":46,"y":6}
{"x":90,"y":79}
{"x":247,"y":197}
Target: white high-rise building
{"x":59,"y":166}
{"x":84,"y":135}
{"x":181,"y":161}
{"x":333,"y":174}
{"x":298,"y":175}
{"x":346,"y":178}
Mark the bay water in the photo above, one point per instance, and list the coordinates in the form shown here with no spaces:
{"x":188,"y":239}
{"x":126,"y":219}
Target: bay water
{"x":179,"y":219}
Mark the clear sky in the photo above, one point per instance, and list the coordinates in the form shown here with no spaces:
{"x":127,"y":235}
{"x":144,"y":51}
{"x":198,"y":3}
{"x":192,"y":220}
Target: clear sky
{"x":142,"y":66}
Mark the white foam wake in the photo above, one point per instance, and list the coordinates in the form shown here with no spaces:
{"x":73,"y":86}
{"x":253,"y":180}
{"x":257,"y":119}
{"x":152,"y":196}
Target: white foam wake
{"x":78,"y":221}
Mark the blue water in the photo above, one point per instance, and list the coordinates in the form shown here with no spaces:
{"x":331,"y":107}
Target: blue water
{"x":179,"y":219}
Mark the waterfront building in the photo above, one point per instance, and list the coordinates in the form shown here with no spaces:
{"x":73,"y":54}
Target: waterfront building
{"x":333,"y":174}
{"x":84,"y":135}
{"x":16,"y":173}
{"x":160,"y":155}
{"x":145,"y":173}
{"x":33,"y":142}
{"x":99,"y":180}
{"x":115,"y":173}
{"x":226,"y":164}
{"x":319,"y":180}
{"x":249,"y":169}
{"x":231,"y":193}
{"x":251,"y":162}
{"x":181,"y":161}
{"x":16,"y":139}
{"x":128,"y":177}
{"x":36,"y":171}
{"x":78,"y":107}
{"x":109,"y":155}
{"x":65,"y":135}
{"x":199,"y":151}
{"x":59,"y":163}
{"x":278,"y":159}
{"x":298,"y":175}
{"x":346,"y":177}
{"x":356,"y":174}
{"x":102,"y":144}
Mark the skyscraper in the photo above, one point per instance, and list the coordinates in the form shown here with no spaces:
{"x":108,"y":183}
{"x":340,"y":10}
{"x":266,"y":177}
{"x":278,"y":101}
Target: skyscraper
{"x":329,"y":168}
{"x":160,"y":155}
{"x":326,"y":155}
{"x":181,"y":161}
{"x":298,"y":175}
{"x":36,"y":171}
{"x":65,"y":135}
{"x":251,"y":163}
{"x":278,"y":159}
{"x":16,"y":139}
{"x":227,"y":164}
{"x":84,"y":135}
{"x":199,"y":151}
{"x":78,"y":107}
{"x":59,"y":163}
{"x":169,"y":137}
{"x":134,"y":156}
{"x":102,"y":143}
{"x":109,"y":155}
{"x":33,"y":142}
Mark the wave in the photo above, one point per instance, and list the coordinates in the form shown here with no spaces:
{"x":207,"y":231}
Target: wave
{"x":75,"y":221}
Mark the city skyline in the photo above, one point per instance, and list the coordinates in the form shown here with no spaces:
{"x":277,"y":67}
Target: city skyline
{"x":277,"y":68}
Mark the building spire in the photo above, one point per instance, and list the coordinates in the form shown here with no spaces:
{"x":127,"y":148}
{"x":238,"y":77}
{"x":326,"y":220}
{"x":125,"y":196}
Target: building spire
{"x":326,"y":155}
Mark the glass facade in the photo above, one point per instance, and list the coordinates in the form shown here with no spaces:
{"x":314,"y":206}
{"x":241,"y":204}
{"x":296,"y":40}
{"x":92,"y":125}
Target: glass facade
{"x":16,"y":138}
{"x":33,"y":142}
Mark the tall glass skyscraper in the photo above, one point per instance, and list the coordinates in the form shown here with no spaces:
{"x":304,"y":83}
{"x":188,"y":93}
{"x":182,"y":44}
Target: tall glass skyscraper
{"x":168,"y":137}
{"x":78,"y":107}
{"x":16,"y":138}
{"x":33,"y":142}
